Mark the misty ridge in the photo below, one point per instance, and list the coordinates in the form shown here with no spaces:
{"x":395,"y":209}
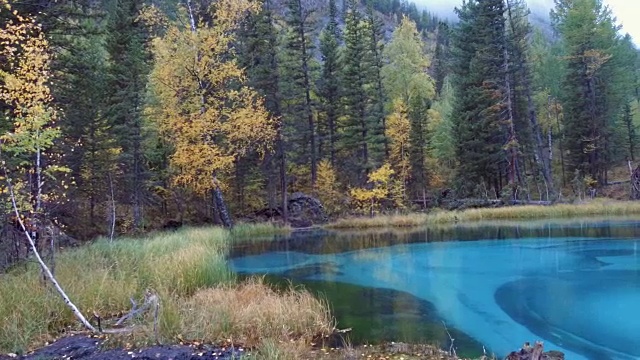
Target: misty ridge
{"x":445,"y":8}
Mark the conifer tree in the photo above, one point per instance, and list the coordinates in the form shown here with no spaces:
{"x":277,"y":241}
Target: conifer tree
{"x":362,"y":135}
{"x":127,"y":83}
{"x":591,"y":100}
{"x":257,"y":53}
{"x":373,"y":63}
{"x":91,"y":149}
{"x":478,"y":50}
{"x":297,"y":82}
{"x":329,"y":86}
{"x":524,"y":112}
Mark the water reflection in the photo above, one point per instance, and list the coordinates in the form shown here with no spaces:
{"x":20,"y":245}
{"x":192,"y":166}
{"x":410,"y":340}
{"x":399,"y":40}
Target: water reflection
{"x":574,"y":285}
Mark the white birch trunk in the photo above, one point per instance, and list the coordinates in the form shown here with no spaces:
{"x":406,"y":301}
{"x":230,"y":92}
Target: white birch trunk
{"x":45,"y":269}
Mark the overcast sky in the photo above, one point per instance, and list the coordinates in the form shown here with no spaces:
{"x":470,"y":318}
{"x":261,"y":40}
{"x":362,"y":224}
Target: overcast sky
{"x":626,"y":11}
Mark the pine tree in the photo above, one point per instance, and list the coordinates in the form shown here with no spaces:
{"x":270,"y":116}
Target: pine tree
{"x":356,"y":130}
{"x":439,"y":68}
{"x":297,"y":82}
{"x":632,"y":132}
{"x":362,"y":137}
{"x":127,"y":83}
{"x":590,"y":98}
{"x":91,"y":149}
{"x":257,"y":53}
{"x":373,"y":63}
{"x":521,"y":87}
{"x":329,"y":85}
{"x":478,"y":50}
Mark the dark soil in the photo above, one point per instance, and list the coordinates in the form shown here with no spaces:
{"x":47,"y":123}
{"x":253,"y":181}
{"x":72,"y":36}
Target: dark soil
{"x":82,"y":347}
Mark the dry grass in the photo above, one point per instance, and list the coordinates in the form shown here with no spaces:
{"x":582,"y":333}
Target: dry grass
{"x":187,"y":269}
{"x":592,"y":208}
{"x":251,"y":312}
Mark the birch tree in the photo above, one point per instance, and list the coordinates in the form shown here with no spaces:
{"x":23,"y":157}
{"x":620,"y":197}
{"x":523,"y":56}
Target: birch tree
{"x":25,"y":91}
{"x":207,"y":112}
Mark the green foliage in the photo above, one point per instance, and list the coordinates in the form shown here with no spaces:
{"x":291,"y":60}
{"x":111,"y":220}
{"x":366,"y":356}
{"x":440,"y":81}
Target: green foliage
{"x":126,"y":43}
{"x":329,"y":86}
{"x":297,"y":85}
{"x":32,"y":115}
{"x":592,"y":83}
{"x":184,"y":269}
{"x":478,"y":69}
{"x":362,"y":128}
{"x":493,"y":106}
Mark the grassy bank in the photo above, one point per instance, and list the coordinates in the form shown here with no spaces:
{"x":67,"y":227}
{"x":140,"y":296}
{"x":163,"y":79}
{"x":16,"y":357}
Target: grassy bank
{"x":199,"y":296}
{"x":527,"y":212}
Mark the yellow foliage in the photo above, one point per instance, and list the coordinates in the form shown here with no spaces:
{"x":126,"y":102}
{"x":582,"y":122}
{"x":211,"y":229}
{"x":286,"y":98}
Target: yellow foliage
{"x":369,"y":199}
{"x":206,"y":111}
{"x":24,"y":90}
{"x":24,"y":86}
{"x":398,"y":132}
{"x":382,"y":176}
{"x":327,"y":188}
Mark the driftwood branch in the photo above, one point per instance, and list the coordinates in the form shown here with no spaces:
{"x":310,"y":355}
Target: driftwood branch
{"x":45,"y":269}
{"x":150,"y":302}
{"x":452,"y":350}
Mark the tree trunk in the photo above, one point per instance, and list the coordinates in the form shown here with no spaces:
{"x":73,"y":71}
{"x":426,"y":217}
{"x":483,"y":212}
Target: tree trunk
{"x":307,"y":89}
{"x":137,"y":176}
{"x":113,"y":211}
{"x":45,"y":269}
{"x":225,"y":217}
{"x":283,"y":179}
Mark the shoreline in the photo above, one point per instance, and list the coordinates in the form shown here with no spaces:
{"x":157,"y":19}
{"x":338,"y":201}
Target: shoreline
{"x":88,"y":347}
{"x":513,"y":212}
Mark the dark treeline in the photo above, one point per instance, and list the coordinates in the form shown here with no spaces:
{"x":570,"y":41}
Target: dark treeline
{"x":204,"y":110}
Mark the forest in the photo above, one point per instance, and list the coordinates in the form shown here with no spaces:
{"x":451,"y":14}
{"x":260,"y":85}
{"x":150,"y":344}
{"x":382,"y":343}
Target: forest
{"x":119,"y":116}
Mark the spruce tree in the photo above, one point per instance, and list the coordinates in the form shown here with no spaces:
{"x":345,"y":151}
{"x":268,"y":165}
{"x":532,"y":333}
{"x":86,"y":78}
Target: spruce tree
{"x":297,"y":83}
{"x":373,"y":62}
{"x":257,"y":50}
{"x":329,"y":85}
{"x":128,"y":71}
{"x":355,"y":139}
{"x":591,"y":97}
{"x":521,"y":87}
{"x":478,"y":50}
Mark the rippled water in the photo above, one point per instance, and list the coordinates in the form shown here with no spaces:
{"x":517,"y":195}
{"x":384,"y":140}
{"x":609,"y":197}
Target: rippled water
{"x":574,"y":285}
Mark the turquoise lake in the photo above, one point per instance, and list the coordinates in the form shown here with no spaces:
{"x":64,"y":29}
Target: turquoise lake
{"x":573,"y":284}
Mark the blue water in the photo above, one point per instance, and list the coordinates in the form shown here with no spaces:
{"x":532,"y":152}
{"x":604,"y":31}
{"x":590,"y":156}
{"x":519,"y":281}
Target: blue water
{"x":577,"y":288}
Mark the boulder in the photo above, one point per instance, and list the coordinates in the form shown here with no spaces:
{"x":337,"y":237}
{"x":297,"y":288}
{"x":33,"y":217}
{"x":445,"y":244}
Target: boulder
{"x":303,"y":210}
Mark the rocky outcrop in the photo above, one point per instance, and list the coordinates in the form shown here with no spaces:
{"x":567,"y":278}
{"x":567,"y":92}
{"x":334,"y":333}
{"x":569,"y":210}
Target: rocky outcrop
{"x":303,"y":211}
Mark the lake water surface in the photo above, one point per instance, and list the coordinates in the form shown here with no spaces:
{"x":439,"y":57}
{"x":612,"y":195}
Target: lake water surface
{"x":575,"y":285}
